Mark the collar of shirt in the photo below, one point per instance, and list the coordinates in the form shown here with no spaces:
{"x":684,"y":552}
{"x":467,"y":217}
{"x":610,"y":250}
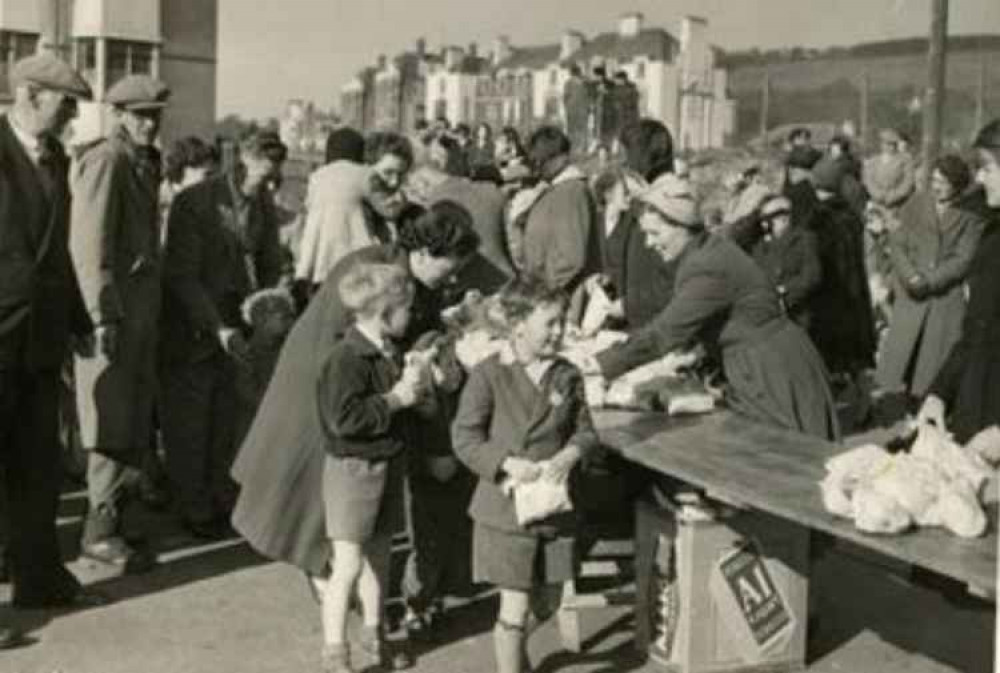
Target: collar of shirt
{"x":33,"y":145}
{"x":377,"y":340}
{"x":535,"y":371}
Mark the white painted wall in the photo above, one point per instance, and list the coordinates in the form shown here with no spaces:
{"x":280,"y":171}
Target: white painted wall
{"x":137,"y":20}
{"x":20,"y":15}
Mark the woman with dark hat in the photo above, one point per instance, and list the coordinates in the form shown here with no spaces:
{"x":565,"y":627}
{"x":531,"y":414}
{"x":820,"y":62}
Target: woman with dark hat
{"x":931,"y":252}
{"x":967,"y":388}
{"x":723,"y":298}
{"x":280,"y":465}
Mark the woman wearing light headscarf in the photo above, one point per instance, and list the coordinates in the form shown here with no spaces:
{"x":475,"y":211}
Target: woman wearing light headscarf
{"x":721,"y":297}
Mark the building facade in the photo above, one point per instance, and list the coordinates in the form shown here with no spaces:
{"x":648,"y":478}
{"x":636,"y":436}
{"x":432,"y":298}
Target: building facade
{"x":679,"y":81}
{"x":175,"y":40}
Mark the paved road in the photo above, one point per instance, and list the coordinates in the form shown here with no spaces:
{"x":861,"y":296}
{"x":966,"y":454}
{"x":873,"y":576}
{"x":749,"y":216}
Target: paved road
{"x":221,"y":609}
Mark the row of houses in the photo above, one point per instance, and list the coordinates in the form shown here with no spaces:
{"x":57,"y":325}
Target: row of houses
{"x":175,"y":40}
{"x":679,"y":80}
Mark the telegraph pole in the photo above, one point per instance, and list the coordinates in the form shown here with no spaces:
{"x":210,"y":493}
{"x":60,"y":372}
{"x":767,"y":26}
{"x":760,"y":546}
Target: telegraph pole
{"x":765,"y":105}
{"x":980,"y":118}
{"x":863,"y":131}
{"x":937,"y":57}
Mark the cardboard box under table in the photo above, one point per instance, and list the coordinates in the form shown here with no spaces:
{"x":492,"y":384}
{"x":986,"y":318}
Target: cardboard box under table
{"x":732,"y":594}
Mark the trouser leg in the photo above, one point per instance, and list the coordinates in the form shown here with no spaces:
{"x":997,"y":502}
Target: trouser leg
{"x":106,"y":484}
{"x":223,"y":428}
{"x":186,"y":405}
{"x":28,"y":426}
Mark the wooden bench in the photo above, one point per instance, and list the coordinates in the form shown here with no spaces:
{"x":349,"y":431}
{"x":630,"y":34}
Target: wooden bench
{"x":777,"y":472}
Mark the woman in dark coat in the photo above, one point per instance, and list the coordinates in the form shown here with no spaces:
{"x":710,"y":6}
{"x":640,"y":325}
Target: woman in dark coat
{"x":968,"y":385}
{"x":280,"y":465}
{"x":722,"y":297}
{"x":789,"y":257}
{"x":843,"y":320}
{"x":931,"y":252}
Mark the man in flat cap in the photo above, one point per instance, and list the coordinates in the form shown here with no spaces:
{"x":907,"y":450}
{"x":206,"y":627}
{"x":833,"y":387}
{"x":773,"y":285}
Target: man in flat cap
{"x":222,"y":246}
{"x":41,"y":314}
{"x":115,"y":245}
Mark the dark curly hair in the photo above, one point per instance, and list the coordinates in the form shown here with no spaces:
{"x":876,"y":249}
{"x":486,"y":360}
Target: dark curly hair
{"x":380,"y":143}
{"x":521,"y":296}
{"x":444,"y":230}
{"x":649,"y":148}
{"x":191,"y":152}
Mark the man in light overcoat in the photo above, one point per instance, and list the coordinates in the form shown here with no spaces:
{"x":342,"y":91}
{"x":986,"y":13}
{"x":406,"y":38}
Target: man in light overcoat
{"x":115,"y":245}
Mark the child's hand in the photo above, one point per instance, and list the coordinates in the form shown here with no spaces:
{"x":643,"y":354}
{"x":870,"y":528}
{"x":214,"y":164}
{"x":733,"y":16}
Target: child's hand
{"x":405,"y":393}
{"x":557,"y":468}
{"x":521,"y":471}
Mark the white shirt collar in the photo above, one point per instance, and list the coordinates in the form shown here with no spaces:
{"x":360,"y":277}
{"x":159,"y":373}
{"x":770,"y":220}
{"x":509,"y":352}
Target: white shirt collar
{"x":535,"y":370}
{"x":32,"y":144}
{"x":377,"y":340}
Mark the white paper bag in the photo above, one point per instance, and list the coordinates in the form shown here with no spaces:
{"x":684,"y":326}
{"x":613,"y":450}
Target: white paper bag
{"x":539,"y":499}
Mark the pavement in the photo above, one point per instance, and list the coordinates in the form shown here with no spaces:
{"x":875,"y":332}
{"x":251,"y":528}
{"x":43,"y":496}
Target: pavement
{"x":220,"y":608}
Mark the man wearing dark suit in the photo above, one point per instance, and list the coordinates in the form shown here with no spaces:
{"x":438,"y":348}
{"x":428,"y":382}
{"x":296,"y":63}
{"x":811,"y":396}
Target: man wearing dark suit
{"x":40,"y":310}
{"x":222,"y":246}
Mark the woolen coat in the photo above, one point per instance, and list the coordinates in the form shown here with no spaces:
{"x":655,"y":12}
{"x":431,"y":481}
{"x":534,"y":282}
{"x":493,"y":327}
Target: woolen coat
{"x":889,"y":180}
{"x":969,"y":380}
{"x":503,"y":414}
{"x":791,"y":263}
{"x":40,"y":300}
{"x":843,"y":321}
{"x":721,"y":297}
{"x":280,"y":464}
{"x":922,"y":331}
{"x":212,"y":263}
{"x":115,"y":243}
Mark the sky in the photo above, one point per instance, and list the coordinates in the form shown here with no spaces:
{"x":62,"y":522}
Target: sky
{"x":273,"y":50}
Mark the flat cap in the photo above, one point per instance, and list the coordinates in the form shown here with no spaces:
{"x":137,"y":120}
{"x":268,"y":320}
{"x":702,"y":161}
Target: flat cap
{"x":138,"y":92}
{"x":49,"y":72}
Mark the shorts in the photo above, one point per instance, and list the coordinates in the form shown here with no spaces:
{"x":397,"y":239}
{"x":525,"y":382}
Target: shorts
{"x":363,"y":498}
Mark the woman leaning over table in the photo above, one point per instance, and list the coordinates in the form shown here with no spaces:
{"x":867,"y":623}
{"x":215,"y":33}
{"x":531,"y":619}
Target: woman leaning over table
{"x":721,"y":296}
{"x":967,"y":389}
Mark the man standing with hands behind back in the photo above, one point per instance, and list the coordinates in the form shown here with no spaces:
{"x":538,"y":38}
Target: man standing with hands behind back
{"x":40,"y":312}
{"x":115,"y":245}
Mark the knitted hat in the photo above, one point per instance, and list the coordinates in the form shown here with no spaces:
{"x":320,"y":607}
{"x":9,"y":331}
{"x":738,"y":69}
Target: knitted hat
{"x":955,"y":171}
{"x":672,"y":198}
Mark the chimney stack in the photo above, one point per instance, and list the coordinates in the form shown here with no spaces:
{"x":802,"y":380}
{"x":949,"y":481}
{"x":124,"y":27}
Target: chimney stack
{"x":630,"y":25}
{"x":501,"y":49}
{"x":421,"y":47}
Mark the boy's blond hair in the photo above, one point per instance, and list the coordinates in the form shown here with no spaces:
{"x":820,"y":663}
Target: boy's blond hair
{"x":367,"y":289}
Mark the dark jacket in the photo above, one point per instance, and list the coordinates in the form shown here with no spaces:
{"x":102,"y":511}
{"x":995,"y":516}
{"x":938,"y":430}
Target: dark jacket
{"x":503,"y":414}
{"x":642,"y":279}
{"x":969,"y":380}
{"x":212,"y":263}
{"x":721,"y":297}
{"x":923,"y":328}
{"x":40,"y":301}
{"x":791,"y":262}
{"x":843,"y":320}
{"x":355,"y":415}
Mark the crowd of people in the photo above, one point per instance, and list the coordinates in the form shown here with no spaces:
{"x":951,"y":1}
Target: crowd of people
{"x":301,"y":387}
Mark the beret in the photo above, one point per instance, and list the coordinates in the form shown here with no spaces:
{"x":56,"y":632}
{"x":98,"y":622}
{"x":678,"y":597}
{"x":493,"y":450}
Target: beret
{"x":138,"y":92}
{"x":49,"y":72}
{"x":671,"y":197}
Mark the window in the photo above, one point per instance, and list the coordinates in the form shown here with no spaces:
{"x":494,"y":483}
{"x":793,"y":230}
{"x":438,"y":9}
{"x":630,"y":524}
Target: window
{"x":640,"y":70}
{"x":85,"y":58}
{"x":442,"y":86}
{"x":553,"y":77}
{"x":15,"y":46}
{"x":128,"y":58}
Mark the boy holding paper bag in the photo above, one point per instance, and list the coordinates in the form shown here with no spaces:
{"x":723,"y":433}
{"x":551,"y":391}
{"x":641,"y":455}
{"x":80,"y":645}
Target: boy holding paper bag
{"x":522,"y":426}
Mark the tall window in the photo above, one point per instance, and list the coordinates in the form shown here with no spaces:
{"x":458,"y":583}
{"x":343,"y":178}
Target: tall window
{"x":128,"y":58}
{"x":85,"y":58}
{"x":14,"y":46}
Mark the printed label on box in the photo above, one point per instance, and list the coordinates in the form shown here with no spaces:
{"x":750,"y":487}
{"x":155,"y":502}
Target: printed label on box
{"x":750,"y":600}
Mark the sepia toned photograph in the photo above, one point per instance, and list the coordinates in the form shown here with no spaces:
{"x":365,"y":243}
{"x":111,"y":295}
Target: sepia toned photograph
{"x":499,"y":336}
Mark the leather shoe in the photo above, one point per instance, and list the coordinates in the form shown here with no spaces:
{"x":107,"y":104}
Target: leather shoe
{"x":116,"y":552}
{"x":80,"y":599}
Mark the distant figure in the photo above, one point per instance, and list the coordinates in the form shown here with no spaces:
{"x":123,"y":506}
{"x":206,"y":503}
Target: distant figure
{"x":626,"y":97}
{"x":889,"y":176}
{"x":576,"y":102}
{"x":603,"y":104}
{"x":188,"y":161}
{"x":482,"y":150}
